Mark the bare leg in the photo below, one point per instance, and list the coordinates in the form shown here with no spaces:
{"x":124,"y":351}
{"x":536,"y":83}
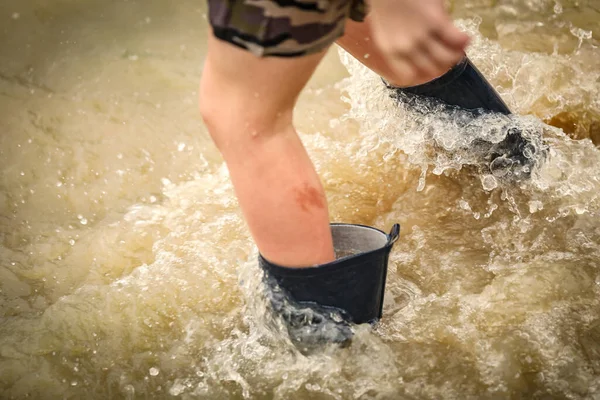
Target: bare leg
{"x":247,"y":105}
{"x":248,"y":111}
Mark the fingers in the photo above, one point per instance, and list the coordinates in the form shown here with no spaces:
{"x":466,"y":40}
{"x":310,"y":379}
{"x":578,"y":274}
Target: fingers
{"x":417,"y":39}
{"x":405,"y":73}
{"x":426,"y":64}
{"x":428,"y":60}
{"x":442,"y":55}
{"x":451,"y":36}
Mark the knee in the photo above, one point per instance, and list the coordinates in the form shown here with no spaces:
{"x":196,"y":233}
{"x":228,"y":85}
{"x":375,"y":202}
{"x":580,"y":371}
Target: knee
{"x":235,"y":117}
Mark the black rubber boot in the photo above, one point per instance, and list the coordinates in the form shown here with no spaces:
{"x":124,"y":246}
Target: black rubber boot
{"x":465,"y":87}
{"x":318,"y":304}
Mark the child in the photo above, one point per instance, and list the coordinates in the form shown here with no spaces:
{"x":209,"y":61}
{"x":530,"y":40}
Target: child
{"x":260,"y":56}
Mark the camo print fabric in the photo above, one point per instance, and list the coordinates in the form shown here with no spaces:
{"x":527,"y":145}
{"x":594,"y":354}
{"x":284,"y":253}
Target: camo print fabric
{"x":284,"y":28}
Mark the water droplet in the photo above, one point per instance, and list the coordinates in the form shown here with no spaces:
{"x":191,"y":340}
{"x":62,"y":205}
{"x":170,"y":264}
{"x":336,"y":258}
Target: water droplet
{"x":129,"y":389}
{"x":464,"y":205}
{"x":535,"y":206}
{"x":181,"y":147}
{"x":489,"y":182}
{"x":176,"y":389}
{"x":501,"y":166}
{"x":580,"y":209}
{"x":72,"y":242}
{"x":154,"y":371}
{"x":558,"y":9}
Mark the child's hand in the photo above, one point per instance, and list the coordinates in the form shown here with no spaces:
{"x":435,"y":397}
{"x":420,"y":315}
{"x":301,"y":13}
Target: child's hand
{"x":417,"y":37}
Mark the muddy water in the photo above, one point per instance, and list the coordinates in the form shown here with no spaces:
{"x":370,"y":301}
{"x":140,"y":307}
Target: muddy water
{"x":127,"y":272}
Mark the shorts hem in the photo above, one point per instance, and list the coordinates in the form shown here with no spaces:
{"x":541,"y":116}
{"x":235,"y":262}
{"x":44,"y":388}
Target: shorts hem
{"x":261,"y":48}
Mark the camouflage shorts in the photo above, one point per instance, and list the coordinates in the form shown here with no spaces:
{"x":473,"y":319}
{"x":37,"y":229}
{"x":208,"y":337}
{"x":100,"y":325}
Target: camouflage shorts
{"x":284,"y":28}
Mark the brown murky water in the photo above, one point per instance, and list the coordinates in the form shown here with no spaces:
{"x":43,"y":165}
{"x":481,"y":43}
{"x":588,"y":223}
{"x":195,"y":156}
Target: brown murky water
{"x":127,"y":272}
